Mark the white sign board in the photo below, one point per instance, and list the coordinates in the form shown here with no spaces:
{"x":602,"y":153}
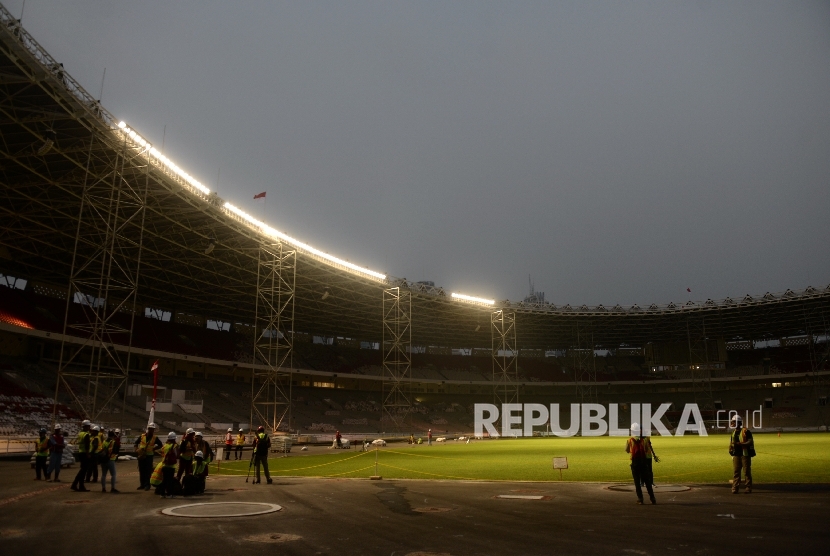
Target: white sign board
{"x":560,"y":463}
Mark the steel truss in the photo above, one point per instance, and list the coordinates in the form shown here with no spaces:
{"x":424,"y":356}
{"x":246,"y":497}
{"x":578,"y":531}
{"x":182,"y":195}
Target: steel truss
{"x":103,"y":282}
{"x":585,"y":365}
{"x":271,"y":372}
{"x":505,"y":357}
{"x":699,"y":362}
{"x":397,"y":360}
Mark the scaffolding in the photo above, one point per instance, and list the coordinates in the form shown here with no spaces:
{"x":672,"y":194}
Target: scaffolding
{"x":103,"y":282}
{"x":271,"y":370}
{"x":505,"y":357}
{"x":397,"y":360}
{"x":584,"y":363}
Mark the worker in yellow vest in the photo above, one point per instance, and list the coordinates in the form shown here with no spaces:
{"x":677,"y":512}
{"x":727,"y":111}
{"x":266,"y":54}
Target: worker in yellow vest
{"x":110,"y":451}
{"x":240,"y":443}
{"x":84,"y":457}
{"x":169,"y":456}
{"x":41,"y":455}
{"x":195,"y":483}
{"x":187,"y":449}
{"x":742,"y":450}
{"x":146,"y":446}
{"x":262,"y":445}
{"x":96,"y":441}
{"x":203,"y":446}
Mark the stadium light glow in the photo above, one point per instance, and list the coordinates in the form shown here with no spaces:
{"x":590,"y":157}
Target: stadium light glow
{"x":471,"y":299}
{"x":135,"y":137}
{"x":268,"y":230}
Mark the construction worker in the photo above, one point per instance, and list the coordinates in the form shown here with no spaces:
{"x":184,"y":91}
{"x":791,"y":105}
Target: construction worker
{"x":169,"y":457}
{"x":338,"y":439}
{"x":41,"y":455}
{"x":240,"y":443}
{"x":200,"y":472}
{"x":84,"y":457}
{"x":742,"y":450}
{"x":111,"y":449}
{"x":96,"y":441}
{"x":195,"y":483}
{"x":186,"y":450}
{"x":637,"y":446}
{"x":57,"y":443}
{"x":429,"y":437}
{"x":203,"y":446}
{"x":146,"y":446}
{"x":228,"y":443}
{"x":261,"y":446}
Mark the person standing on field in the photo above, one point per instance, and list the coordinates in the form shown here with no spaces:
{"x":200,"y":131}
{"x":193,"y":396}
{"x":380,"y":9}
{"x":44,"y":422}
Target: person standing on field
{"x":84,"y":457}
{"x":429,"y":437}
{"x":41,"y":455}
{"x":742,"y":450}
{"x":56,"y":446}
{"x":637,"y":447}
{"x":228,"y":444}
{"x":146,"y":446}
{"x":240,"y":444}
{"x":262,"y":445}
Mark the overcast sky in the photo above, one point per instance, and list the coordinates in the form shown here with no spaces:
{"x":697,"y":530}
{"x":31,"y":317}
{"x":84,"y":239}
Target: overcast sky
{"x":617,"y":152}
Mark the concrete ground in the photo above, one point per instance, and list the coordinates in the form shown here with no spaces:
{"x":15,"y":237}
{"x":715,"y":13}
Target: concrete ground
{"x":400,"y":517}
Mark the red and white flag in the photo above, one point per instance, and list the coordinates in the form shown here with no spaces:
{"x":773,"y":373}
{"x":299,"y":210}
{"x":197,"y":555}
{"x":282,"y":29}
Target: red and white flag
{"x":260,"y":195}
{"x":155,"y":370}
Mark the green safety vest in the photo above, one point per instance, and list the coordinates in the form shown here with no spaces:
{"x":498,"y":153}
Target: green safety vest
{"x":199,"y":468}
{"x":42,"y":447}
{"x":83,"y":442}
{"x":146,"y":445}
{"x":739,"y":435}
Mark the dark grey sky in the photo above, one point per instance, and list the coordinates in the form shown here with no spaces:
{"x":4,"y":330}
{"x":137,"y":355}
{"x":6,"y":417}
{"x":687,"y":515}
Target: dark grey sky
{"x":618,"y":152}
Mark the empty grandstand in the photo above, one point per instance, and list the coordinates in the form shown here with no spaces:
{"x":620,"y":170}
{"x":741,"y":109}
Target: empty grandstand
{"x":113,"y":257}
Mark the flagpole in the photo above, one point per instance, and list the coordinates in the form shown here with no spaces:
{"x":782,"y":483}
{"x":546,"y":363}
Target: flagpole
{"x":155,"y":369}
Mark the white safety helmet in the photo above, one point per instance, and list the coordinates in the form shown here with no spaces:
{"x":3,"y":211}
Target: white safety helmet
{"x":240,"y":430}
{"x":85,"y":423}
{"x":199,"y":454}
{"x":737,"y":419}
{"x":198,"y":433}
{"x":57,"y":427}
{"x":230,"y":430}
{"x":635,"y":428}
{"x":151,"y":426}
{"x":96,"y":428}
{"x":117,"y":431}
{"x":189,"y":430}
{"x":171,"y":435}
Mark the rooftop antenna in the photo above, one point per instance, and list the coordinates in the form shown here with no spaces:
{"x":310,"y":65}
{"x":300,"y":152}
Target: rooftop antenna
{"x":22,"y":9}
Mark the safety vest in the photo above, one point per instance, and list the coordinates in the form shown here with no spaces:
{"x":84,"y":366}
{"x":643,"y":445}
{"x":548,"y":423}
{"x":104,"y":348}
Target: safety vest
{"x":83,"y":442}
{"x":639,"y":448}
{"x":204,"y":447}
{"x":95,"y":444}
{"x":229,"y":439}
{"x":111,"y":448}
{"x":42,"y":447}
{"x":186,"y":450}
{"x":105,"y":448}
{"x":261,"y":443}
{"x":739,"y":435}
{"x":146,"y":445}
{"x":168,"y":454}
{"x":199,"y":468}
{"x":240,"y":440}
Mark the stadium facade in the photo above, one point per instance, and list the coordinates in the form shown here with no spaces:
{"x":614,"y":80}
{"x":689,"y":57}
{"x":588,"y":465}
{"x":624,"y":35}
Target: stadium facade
{"x":108,"y":249}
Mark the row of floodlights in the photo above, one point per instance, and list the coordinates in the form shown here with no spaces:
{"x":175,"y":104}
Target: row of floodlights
{"x":265,"y":228}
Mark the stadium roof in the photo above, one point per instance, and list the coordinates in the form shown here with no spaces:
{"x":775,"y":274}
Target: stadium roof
{"x":56,"y":138}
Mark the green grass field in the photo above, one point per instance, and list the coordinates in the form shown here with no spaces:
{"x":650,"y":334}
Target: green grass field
{"x":792,"y":458}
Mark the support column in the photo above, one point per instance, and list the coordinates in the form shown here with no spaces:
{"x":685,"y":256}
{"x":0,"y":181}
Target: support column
{"x":397,"y":360}
{"x":505,"y":357}
{"x":103,"y":283}
{"x":585,"y":365}
{"x":271,"y":371}
{"x":699,"y":362}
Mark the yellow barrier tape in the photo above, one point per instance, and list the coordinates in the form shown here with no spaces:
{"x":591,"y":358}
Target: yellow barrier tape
{"x":347,"y":472}
{"x":302,"y":468}
{"x":421,"y":455}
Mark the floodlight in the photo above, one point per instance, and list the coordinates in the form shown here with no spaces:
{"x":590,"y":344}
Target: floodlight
{"x":268,"y":230}
{"x":478,"y":327}
{"x":471,"y":299}
{"x":211,"y":246}
{"x":325,"y":295}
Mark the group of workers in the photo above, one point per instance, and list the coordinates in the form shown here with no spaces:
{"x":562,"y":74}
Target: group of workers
{"x":94,"y":450}
{"x":741,"y":448}
{"x":183,"y":468}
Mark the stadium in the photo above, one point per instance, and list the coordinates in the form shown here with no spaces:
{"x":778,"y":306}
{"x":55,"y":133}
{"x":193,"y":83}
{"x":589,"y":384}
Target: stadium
{"x":113,"y":258}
